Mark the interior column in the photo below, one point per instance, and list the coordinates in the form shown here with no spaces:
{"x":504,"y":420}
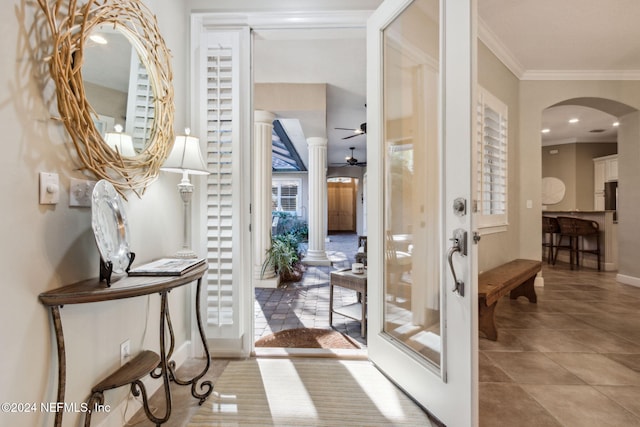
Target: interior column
{"x":316,"y":254}
{"x":263,"y":127}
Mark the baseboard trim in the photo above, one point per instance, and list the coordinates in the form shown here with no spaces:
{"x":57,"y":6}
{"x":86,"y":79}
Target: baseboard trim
{"x":628,"y":280}
{"x":129,"y":406}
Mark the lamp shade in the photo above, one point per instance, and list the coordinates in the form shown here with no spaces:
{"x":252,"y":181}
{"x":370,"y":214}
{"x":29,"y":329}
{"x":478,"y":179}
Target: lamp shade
{"x":185,"y":157}
{"x":120,"y":142}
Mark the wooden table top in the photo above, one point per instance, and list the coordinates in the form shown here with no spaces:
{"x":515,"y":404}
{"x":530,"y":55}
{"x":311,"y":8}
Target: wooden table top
{"x":93,"y":290}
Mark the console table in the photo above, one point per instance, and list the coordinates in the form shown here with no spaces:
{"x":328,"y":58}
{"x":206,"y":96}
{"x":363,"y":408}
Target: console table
{"x":147,"y":362}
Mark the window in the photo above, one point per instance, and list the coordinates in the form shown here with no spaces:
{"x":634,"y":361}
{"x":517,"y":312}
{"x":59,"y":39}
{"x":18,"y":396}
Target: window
{"x":286,"y":195}
{"x":491,"y":162}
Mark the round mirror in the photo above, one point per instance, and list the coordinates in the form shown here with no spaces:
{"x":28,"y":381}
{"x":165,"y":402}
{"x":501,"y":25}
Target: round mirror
{"x":125,"y":81}
{"x":117,"y":85}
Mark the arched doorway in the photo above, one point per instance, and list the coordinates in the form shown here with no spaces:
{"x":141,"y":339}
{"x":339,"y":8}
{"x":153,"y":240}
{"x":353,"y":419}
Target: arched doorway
{"x":581,"y":141}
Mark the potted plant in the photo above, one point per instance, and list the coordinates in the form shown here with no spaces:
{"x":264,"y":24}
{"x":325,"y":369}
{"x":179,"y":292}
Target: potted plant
{"x":283,"y":257}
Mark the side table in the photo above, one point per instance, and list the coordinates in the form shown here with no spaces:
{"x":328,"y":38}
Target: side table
{"x":358,"y":310}
{"x":147,"y":362}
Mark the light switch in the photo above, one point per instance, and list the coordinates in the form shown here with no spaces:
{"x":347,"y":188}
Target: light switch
{"x":529,"y":204}
{"x":49,"y":188}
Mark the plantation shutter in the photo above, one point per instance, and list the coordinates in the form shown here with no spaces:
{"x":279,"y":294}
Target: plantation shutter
{"x":220,"y":183}
{"x":140,"y":105}
{"x":491,"y":161}
{"x":289,"y":198}
{"x":286,"y":195}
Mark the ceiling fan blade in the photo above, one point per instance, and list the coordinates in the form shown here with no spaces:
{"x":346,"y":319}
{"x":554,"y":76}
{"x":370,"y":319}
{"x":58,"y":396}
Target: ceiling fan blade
{"x":352,"y":136}
{"x":351,"y":129}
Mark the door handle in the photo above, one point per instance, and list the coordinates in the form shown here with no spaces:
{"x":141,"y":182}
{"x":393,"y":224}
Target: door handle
{"x":459,"y":240}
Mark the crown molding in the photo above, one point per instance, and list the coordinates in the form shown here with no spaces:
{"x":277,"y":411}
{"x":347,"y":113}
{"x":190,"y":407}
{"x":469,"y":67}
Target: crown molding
{"x":581,"y":75}
{"x":493,"y":42}
{"x":566,"y":141}
{"x":498,"y":48}
{"x":289,"y":20}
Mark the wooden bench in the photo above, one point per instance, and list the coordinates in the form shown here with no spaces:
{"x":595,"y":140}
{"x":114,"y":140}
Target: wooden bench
{"x":516,"y":278}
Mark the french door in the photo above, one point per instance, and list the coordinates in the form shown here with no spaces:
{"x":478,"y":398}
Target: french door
{"x":423,"y":274}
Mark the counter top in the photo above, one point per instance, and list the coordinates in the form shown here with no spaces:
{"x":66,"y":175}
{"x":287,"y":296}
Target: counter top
{"x":576,"y":212}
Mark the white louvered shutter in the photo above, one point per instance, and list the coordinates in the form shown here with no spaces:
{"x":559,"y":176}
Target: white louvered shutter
{"x":491,"y":161}
{"x":220,"y":183}
{"x":140,"y":105}
{"x":222,"y":117}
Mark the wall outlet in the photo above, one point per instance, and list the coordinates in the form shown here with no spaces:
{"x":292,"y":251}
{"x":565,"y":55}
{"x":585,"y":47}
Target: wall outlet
{"x":80,"y":191}
{"x":125,"y":352}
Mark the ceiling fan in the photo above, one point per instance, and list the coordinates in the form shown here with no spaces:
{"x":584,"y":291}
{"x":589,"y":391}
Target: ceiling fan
{"x":352,"y":161}
{"x":356,"y":132}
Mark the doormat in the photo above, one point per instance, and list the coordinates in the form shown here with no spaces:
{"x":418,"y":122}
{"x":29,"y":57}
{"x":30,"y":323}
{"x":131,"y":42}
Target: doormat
{"x":308,"y":338}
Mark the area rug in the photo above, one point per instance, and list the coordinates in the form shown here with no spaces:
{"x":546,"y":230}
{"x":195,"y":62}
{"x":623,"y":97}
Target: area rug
{"x":306,"y":392}
{"x":308,"y":338}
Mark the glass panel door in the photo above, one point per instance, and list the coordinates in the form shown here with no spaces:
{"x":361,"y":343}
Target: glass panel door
{"x":422,"y":333}
{"x":412,"y":180}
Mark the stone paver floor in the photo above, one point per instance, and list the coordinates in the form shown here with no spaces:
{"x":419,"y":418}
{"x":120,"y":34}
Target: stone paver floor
{"x":305,"y":304}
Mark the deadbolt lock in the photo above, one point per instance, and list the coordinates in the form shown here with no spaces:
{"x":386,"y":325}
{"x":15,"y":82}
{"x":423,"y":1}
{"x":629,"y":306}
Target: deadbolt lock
{"x":460,"y":206}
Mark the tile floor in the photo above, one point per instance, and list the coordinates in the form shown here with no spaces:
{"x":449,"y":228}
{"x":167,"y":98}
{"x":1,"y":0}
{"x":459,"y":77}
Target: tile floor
{"x":572,"y":359}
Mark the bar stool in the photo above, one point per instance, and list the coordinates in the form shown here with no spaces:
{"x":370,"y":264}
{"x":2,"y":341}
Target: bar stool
{"x":576,"y":229}
{"x":550,"y":232}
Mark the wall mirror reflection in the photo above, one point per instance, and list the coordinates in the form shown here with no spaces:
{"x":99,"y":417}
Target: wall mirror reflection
{"x":118,"y":87}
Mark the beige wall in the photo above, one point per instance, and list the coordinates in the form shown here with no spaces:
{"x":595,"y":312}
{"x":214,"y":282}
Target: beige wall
{"x":498,"y":248}
{"x":629,"y":198}
{"x":44,"y":247}
{"x":573,"y":164}
{"x":108,"y":102}
{"x":561,"y":165}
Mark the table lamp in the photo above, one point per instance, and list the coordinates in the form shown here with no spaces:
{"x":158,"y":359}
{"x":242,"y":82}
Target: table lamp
{"x":120,"y":142}
{"x":185,"y":158}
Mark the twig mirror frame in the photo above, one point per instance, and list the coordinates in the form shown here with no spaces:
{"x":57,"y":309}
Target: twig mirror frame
{"x":71,"y":23}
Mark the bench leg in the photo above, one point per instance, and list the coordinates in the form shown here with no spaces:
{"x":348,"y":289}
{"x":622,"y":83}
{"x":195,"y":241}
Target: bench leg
{"x":486,"y":323}
{"x":526,"y":289}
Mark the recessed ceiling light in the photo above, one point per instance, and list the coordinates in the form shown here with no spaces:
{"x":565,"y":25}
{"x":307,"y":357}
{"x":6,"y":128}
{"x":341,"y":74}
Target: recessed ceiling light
{"x":97,"y":38}
{"x":546,"y":130}
{"x":574,"y":120}
{"x":616,"y":124}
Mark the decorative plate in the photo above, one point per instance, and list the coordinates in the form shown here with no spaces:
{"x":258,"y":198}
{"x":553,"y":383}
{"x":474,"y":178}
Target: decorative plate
{"x":553,"y":190}
{"x":110,"y":227}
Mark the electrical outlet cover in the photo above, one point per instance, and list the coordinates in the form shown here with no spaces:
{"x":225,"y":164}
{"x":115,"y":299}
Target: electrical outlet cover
{"x":80,"y":191}
{"x":125,"y":352}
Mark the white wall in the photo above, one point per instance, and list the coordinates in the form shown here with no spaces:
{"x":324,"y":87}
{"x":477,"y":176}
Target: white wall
{"x":44,"y":247}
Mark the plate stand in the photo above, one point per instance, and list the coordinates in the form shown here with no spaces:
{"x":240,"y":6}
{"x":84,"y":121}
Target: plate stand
{"x":106,"y":268}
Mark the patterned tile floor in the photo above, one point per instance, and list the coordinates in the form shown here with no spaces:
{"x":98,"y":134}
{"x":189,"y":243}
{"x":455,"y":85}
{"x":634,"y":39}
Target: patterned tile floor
{"x":306,"y":303}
